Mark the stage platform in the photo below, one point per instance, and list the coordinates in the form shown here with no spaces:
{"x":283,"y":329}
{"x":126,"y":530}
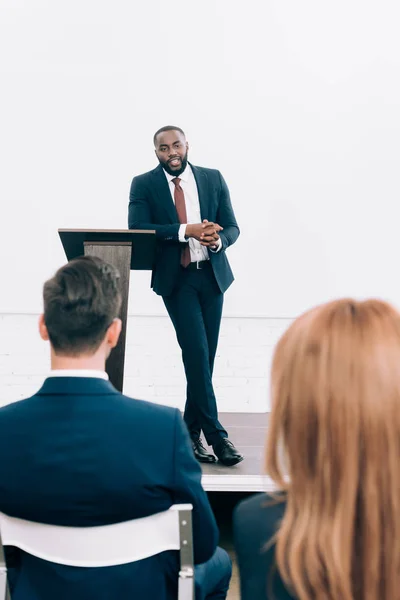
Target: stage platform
{"x":248,"y":432}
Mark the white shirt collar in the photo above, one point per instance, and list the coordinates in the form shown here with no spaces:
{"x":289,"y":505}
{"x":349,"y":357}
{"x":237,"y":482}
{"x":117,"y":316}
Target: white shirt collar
{"x":183,"y":176}
{"x":78,"y":373}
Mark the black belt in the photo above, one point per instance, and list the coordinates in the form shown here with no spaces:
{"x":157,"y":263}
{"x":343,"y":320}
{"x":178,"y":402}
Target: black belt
{"x":198,"y":266}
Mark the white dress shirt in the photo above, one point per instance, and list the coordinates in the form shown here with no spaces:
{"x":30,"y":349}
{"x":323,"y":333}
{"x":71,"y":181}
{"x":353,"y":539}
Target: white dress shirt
{"x":188,"y":184}
{"x":78,"y":373}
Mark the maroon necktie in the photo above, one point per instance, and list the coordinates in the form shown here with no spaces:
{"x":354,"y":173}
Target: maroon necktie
{"x":180,"y":206}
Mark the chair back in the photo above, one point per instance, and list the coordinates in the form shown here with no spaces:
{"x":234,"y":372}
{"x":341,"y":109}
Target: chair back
{"x":106,"y":545}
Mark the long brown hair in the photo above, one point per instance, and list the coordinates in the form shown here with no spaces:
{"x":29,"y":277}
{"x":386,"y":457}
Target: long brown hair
{"x":334,"y":448}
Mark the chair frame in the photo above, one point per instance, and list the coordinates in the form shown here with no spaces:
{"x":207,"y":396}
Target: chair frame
{"x":4,"y":588}
{"x":186,"y":570}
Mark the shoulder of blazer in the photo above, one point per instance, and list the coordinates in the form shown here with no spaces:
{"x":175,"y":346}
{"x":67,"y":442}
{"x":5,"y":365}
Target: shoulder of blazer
{"x":261,"y":512}
{"x":145,"y":177}
{"x":151,"y":408}
{"x":205,"y":171}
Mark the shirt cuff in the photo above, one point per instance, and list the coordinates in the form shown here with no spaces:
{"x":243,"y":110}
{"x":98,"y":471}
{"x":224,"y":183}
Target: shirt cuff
{"x":218,"y":248}
{"x":181,"y":233}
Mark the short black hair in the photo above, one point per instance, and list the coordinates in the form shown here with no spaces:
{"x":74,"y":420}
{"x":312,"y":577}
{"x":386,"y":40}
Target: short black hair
{"x":80,"y":303}
{"x":167,"y":128}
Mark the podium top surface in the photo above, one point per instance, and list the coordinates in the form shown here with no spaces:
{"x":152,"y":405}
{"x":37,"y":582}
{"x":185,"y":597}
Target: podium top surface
{"x":143,"y":243}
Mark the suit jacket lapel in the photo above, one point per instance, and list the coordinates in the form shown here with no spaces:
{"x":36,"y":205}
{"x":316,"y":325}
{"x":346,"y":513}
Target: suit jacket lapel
{"x":161,"y":188}
{"x":202,"y":188}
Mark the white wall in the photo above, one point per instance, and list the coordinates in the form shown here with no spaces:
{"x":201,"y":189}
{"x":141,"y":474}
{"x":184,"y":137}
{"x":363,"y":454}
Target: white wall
{"x":295,"y":102}
{"x":153,"y":371}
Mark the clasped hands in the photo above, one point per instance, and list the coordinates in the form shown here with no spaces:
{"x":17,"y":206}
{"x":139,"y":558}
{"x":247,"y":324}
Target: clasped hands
{"x":206,"y":232}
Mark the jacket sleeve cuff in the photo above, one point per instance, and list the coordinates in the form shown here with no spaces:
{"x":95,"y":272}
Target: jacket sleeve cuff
{"x":218,"y":247}
{"x":181,"y":233}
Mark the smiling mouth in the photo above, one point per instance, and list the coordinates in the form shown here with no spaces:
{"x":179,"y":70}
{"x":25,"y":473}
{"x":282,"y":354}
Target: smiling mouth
{"x":174,"y":162}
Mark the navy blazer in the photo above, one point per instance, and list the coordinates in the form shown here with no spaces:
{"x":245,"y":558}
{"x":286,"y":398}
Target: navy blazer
{"x":79,"y":453}
{"x":255,"y":521}
{"x":151,"y":207}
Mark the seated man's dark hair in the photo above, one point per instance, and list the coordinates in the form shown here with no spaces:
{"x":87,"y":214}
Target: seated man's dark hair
{"x":167,"y":128}
{"x":80,"y":303}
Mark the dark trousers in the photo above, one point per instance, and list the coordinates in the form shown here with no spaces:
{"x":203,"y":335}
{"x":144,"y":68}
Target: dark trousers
{"x":211,"y":579}
{"x":195,"y":309}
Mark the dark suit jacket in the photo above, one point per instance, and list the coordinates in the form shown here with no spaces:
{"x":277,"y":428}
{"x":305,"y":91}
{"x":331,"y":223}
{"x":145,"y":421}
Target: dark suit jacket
{"x":151,"y":207}
{"x":79,"y":453}
{"x":255,"y":521}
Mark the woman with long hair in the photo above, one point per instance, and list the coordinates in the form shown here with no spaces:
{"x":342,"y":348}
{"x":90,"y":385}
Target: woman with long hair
{"x":332,"y":530}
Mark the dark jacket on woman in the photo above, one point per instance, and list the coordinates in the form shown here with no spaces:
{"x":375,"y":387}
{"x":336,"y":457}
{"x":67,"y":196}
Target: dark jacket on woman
{"x":255,"y":521}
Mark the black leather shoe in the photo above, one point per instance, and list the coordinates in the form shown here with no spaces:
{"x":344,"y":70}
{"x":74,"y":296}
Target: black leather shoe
{"x":227,"y":453}
{"x":201,"y":453}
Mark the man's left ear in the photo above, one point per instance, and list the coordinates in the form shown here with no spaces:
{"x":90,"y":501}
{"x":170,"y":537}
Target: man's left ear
{"x":44,"y":334}
{"x":113,"y":332}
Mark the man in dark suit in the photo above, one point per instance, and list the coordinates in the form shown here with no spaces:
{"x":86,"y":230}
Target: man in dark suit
{"x":190,"y":210}
{"x":79,"y":453}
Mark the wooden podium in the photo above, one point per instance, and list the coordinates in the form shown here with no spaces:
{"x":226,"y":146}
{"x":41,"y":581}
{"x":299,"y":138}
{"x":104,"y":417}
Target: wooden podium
{"x":126,"y":250}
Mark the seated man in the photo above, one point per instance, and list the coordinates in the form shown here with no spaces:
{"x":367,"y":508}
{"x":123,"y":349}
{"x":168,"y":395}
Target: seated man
{"x":79,"y":453}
